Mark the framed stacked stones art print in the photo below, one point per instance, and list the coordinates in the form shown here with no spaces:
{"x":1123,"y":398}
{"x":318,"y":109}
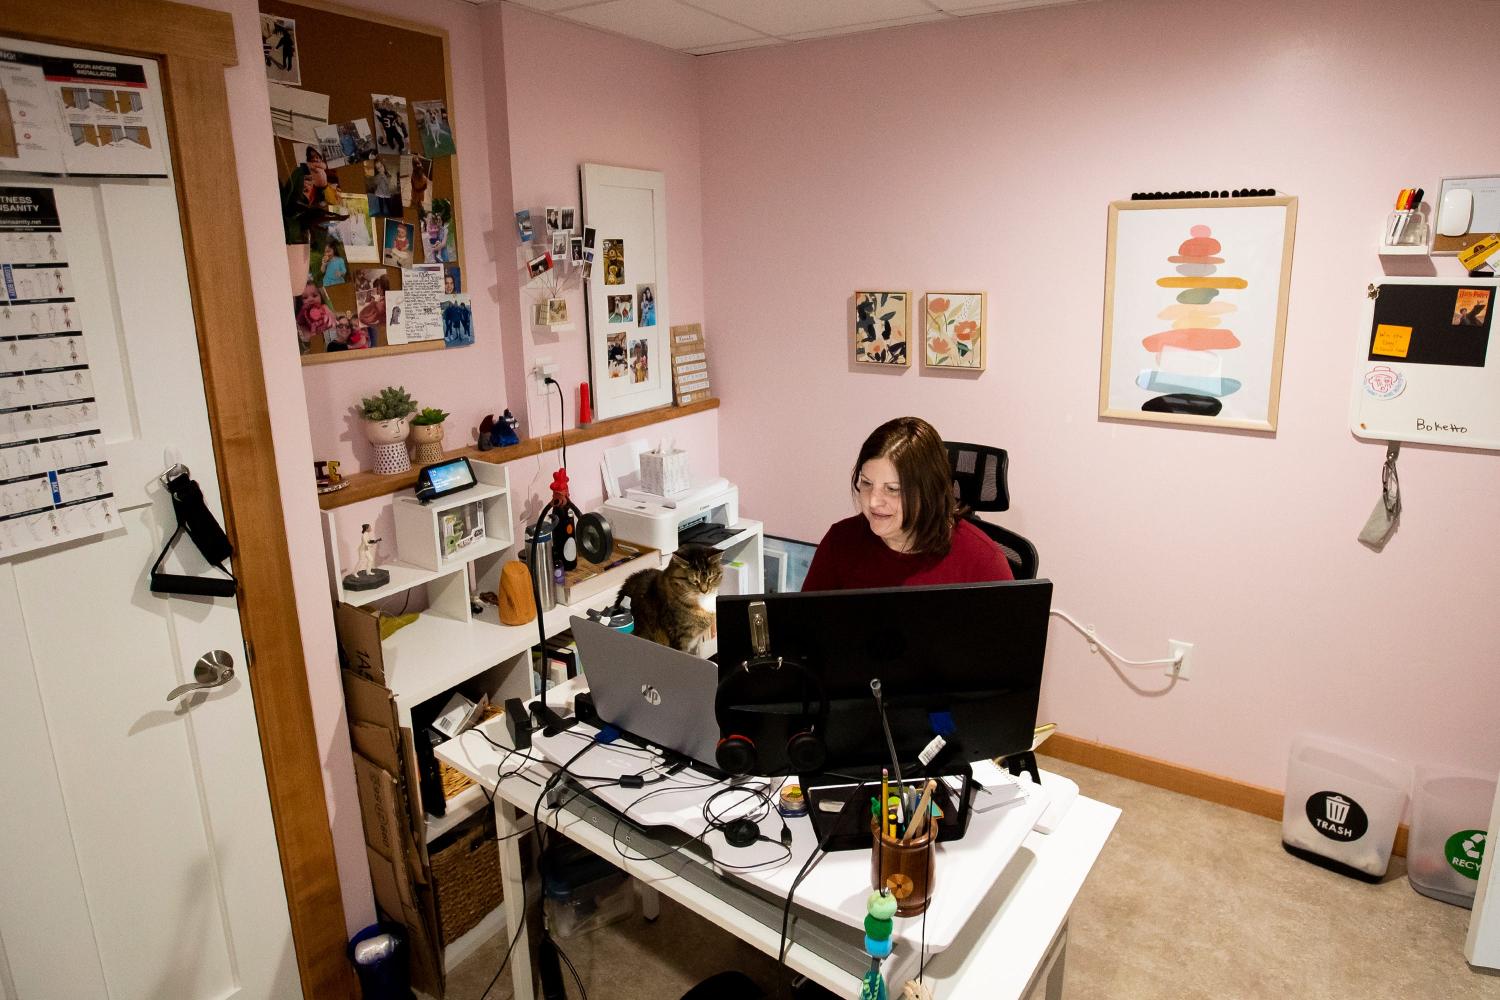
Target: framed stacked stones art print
{"x":1195,"y":300}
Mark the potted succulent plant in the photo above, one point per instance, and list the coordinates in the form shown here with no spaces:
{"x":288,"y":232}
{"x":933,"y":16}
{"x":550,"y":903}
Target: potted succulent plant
{"x":388,"y":418}
{"x":427,"y":434}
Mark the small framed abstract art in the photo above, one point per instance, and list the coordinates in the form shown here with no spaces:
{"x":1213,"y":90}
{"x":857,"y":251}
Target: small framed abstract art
{"x":954,"y":334}
{"x":881,"y":322}
{"x":1195,"y":303}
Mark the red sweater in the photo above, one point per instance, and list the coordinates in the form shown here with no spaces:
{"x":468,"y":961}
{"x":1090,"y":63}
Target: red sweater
{"x":850,"y":557}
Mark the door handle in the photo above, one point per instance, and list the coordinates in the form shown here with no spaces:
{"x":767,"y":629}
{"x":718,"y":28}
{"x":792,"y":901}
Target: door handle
{"x":213,"y":669}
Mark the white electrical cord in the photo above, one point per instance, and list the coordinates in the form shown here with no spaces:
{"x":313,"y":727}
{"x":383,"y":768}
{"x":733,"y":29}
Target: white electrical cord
{"x":1094,"y":640}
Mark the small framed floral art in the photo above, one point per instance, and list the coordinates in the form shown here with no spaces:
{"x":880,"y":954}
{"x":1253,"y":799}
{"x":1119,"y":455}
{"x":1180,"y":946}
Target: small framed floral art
{"x":881,"y":320}
{"x":953,"y":330}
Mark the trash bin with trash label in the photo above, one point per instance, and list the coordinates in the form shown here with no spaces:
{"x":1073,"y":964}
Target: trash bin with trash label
{"x":1342,"y":807}
{"x":1449,"y":813}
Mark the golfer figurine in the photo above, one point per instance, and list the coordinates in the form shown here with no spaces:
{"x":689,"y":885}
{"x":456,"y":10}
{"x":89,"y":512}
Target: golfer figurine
{"x":366,"y":575}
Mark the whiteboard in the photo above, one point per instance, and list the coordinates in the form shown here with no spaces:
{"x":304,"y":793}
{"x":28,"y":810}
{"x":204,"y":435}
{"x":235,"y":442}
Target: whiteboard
{"x":1427,"y":364}
{"x":629,"y":357}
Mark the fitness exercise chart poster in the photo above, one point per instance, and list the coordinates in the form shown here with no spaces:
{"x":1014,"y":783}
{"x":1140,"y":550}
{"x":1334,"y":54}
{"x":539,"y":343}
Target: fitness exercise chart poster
{"x":54,"y":475}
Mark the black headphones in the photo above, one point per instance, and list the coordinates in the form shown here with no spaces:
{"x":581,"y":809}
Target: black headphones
{"x":769,"y":701}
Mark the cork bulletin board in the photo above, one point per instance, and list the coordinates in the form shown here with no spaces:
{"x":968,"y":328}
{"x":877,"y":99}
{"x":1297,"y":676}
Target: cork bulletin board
{"x":350,"y":282}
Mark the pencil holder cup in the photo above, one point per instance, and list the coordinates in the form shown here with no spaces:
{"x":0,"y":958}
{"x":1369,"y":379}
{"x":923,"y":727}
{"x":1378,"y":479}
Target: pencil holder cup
{"x":907,"y":870}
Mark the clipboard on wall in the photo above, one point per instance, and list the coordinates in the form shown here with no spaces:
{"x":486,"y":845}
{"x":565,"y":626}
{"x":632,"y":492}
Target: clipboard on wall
{"x":1427,"y":367}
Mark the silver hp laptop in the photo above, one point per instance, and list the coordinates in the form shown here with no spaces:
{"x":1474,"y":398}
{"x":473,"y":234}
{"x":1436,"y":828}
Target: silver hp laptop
{"x":653,"y":692}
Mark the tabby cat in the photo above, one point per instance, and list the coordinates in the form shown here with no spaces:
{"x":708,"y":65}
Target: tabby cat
{"x":674,"y":606}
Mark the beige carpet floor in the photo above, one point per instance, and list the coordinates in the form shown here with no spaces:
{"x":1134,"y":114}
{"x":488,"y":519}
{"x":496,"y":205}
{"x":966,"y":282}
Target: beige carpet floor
{"x":1189,"y":900}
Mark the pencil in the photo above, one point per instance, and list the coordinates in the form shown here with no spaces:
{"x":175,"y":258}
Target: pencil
{"x":919,"y":819}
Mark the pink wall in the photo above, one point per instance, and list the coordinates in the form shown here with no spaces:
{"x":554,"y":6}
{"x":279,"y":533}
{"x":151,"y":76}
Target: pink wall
{"x":311,"y":406}
{"x":983,"y":154}
{"x":581,"y":96}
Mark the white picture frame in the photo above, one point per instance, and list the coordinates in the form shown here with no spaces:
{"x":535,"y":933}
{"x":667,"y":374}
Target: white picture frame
{"x":627,"y":206}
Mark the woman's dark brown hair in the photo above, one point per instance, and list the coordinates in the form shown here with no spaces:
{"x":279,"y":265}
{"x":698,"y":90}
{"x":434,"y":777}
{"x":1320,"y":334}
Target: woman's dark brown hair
{"x":928,"y":507}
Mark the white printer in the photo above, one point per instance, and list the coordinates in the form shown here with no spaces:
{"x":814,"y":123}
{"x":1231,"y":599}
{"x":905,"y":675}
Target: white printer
{"x":664,"y":522}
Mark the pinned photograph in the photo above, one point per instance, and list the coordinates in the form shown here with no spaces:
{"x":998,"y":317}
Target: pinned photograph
{"x":346,"y":142}
{"x":575,"y":249}
{"x":371,"y":284}
{"x":458,"y":321}
{"x":308,"y":197}
{"x":560,"y":244}
{"x":539,"y":314}
{"x":523,"y":225}
{"x":357,"y":230}
{"x":557,"y":311}
{"x":619,"y":361}
{"x":395,"y":320}
{"x":614,"y":262}
{"x":439,"y":241}
{"x":554,"y":219}
{"x":1470,"y":307}
{"x":588,"y":237}
{"x":434,"y":131}
{"x":565,"y":217}
{"x":314,"y":316}
{"x":539,"y":265}
{"x":620,"y":308}
{"x":330,"y":265}
{"x":645,"y":305}
{"x":881,"y":320}
{"x":278,"y":41}
{"x":453,"y":281}
{"x":348,"y":335}
{"x":383,"y":186}
{"x":399,"y":239}
{"x":640,"y":360}
{"x":416,"y":181}
{"x":392,"y":133}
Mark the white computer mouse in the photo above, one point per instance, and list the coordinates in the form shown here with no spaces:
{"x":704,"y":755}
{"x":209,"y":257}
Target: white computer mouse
{"x":1455,"y":212}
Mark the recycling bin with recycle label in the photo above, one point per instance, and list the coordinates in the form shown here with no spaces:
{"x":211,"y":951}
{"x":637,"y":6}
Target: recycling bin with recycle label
{"x":1449,"y":813}
{"x":1342,"y":807}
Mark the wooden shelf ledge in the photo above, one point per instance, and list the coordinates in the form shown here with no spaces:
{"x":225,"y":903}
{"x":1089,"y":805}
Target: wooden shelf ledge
{"x":369,"y":485}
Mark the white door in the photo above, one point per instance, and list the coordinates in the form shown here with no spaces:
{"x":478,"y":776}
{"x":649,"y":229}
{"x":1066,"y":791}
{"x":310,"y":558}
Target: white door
{"x":137,"y":853}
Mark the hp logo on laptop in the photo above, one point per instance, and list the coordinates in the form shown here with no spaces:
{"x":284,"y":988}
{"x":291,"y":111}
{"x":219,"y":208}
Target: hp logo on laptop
{"x":652,"y":696}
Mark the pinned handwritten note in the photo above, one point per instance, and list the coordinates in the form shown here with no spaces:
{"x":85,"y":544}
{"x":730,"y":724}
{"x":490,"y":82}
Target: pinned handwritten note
{"x":1391,"y":341}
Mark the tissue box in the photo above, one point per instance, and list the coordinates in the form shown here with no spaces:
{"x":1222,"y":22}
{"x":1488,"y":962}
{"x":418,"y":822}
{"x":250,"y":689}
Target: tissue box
{"x":664,"y":472}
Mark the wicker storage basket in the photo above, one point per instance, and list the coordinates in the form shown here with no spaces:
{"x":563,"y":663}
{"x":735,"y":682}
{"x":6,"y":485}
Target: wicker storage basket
{"x":466,"y":876}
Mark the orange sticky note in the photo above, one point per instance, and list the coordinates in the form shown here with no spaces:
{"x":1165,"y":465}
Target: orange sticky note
{"x":1391,"y":341}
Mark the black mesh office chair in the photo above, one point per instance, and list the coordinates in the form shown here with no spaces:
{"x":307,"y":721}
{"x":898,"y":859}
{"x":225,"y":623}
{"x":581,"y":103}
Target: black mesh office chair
{"x":979,"y":480}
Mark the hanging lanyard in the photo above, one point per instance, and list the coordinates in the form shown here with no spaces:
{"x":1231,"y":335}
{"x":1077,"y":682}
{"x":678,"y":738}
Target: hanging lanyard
{"x":193,"y":517}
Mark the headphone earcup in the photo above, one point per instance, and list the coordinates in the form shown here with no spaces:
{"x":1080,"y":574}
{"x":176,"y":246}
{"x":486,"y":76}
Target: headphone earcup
{"x":805,"y":752}
{"x":735,"y":755}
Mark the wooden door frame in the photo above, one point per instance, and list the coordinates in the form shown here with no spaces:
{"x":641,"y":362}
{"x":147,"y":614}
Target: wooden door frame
{"x":193,"y":47}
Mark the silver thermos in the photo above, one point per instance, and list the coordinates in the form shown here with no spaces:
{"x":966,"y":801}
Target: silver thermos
{"x":539,"y":561}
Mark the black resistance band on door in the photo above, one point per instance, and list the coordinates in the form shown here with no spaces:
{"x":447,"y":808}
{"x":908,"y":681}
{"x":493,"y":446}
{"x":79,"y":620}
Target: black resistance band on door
{"x":194,"y":517}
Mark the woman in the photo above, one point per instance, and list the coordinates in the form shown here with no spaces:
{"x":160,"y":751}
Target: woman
{"x":910,"y":531}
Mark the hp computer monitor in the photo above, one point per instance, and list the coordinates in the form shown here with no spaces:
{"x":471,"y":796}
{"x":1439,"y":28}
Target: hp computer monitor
{"x":963,"y":660}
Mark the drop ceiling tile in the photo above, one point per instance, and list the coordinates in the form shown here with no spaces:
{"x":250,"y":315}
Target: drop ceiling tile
{"x":756,"y":43}
{"x":964,"y":7}
{"x":555,"y":6}
{"x":662,"y":22}
{"x":872,"y":26}
{"x":792,"y":17}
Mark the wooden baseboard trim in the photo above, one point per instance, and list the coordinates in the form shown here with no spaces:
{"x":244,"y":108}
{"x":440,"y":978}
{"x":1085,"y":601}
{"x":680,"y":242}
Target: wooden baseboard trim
{"x":1178,"y":778}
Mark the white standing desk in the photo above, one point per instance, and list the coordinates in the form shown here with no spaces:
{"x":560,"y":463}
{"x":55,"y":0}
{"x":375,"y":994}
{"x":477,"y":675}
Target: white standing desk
{"x":1011,"y":946}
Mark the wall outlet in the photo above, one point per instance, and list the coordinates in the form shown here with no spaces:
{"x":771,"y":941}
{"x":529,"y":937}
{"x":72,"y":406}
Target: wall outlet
{"x":1182,"y":670}
{"x":540,"y":369}
{"x":1088,"y":630}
